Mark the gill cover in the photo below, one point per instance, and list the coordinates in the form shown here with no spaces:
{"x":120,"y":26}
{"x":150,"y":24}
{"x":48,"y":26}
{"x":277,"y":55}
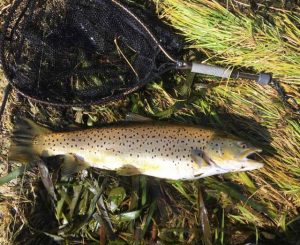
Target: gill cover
{"x":223,"y":155}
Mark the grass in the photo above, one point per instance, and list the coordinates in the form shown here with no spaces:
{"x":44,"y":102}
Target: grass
{"x":234,"y":39}
{"x":260,"y":206}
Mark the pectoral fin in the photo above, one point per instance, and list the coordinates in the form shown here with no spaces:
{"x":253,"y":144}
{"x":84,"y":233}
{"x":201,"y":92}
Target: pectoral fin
{"x":128,"y":170}
{"x":72,"y":164}
{"x":201,"y":158}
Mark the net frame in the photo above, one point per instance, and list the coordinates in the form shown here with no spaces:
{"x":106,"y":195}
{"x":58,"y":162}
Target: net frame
{"x":169,"y":64}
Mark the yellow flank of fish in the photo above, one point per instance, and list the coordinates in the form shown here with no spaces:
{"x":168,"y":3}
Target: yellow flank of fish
{"x":170,"y":151}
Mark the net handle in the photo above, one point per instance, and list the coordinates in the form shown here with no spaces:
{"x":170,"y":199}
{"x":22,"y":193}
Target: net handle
{"x":218,"y":71}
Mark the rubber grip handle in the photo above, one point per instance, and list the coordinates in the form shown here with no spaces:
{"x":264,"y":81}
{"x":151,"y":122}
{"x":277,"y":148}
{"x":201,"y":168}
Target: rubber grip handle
{"x":211,"y":70}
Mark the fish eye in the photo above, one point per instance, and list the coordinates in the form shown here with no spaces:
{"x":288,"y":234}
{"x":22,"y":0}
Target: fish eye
{"x":242,"y":144}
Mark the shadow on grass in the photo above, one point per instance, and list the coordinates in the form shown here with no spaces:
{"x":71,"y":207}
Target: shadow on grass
{"x":39,"y":217}
{"x":244,"y":127}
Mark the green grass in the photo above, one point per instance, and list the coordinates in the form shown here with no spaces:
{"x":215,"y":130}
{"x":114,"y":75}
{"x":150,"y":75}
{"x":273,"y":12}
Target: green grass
{"x":233,"y":39}
{"x":262,"y":205}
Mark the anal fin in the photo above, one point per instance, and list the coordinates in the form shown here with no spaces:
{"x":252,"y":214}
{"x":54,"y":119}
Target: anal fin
{"x":72,"y":164}
{"x":128,"y":170}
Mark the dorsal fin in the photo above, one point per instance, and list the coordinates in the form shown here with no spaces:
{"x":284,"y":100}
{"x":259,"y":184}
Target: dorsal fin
{"x":132,"y":117}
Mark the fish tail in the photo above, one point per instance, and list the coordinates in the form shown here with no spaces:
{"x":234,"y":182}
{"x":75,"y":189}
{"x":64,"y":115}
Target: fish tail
{"x":21,"y":149}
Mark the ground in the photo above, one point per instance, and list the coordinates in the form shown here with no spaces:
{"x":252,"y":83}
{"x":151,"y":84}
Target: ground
{"x":97,"y":205}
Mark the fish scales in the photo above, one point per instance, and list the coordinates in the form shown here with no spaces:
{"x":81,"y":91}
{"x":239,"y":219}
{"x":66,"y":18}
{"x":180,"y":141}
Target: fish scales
{"x":148,"y":149}
{"x":164,"y":150}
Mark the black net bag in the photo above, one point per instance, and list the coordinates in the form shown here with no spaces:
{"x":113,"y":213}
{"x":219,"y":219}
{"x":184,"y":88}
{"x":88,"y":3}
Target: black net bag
{"x":79,"y":52}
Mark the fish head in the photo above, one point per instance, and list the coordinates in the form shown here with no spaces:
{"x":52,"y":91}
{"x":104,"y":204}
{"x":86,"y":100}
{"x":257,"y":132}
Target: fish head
{"x":231,"y":154}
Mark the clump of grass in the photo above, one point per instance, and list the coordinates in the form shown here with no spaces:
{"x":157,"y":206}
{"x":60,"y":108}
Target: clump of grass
{"x":238,"y":40}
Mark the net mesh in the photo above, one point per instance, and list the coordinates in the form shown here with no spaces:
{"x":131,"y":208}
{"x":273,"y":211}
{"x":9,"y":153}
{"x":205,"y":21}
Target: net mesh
{"x":78,"y":51}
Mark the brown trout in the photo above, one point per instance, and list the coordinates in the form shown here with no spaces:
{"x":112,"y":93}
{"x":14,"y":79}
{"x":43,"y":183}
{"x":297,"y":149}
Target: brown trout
{"x":163,"y":150}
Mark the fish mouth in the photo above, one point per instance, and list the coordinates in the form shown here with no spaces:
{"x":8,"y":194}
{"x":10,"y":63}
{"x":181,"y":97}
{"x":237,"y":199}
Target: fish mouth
{"x":248,"y":156}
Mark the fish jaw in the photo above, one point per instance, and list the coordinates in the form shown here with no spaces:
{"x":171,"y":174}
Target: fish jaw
{"x":250,"y":151}
{"x":228,"y":167}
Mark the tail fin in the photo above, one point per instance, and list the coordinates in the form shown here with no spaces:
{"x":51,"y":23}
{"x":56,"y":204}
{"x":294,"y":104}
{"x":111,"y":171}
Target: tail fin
{"x":21,"y":148}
